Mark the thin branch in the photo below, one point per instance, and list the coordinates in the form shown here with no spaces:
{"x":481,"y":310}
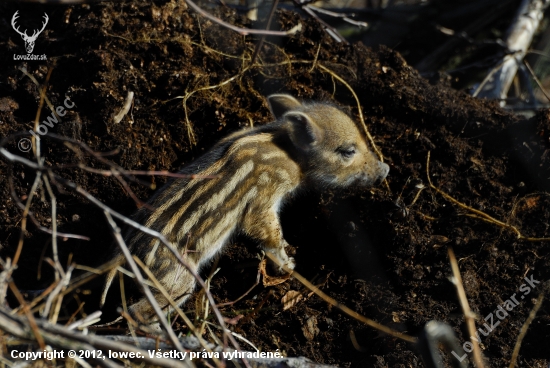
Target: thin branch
{"x":32,"y":321}
{"x":58,"y":268}
{"x":115,"y":171}
{"x":477,"y":214}
{"x":343,"y":308}
{"x":165,"y":173}
{"x":243,"y":31}
{"x":174,"y":305}
{"x":261,"y":42}
{"x":55,"y":295}
{"x":24,"y":216}
{"x":470,"y":322}
{"x":432,"y":61}
{"x":5,"y":277}
{"x":245,"y":294}
{"x":125,"y":306}
{"x":542,"y":89}
{"x":38,"y":299}
{"x":141,"y":282}
{"x":90,"y":319}
{"x":60,"y":336}
{"x":524,"y":329}
{"x":30,"y":215}
{"x":330,"y":30}
{"x":344,"y":16}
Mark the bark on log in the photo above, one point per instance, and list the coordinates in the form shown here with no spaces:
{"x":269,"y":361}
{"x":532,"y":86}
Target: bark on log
{"x":520,"y":36}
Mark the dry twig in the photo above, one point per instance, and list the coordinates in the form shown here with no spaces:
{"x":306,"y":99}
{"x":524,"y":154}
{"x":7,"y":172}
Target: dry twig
{"x":333,"y":32}
{"x":174,"y":305}
{"x":242,"y":31}
{"x":55,"y":297}
{"x":73,"y":186}
{"x":61,"y":337}
{"x":359,"y":109}
{"x":268,"y":24}
{"x":32,"y":321}
{"x":344,"y":17}
{"x":245,"y":294}
{"x":343,"y":308}
{"x":125,"y":108}
{"x":524,"y":329}
{"x":477,"y":213}
{"x":470,"y":321}
{"x":141,"y":284}
{"x":539,"y":83}
{"x":5,"y":276}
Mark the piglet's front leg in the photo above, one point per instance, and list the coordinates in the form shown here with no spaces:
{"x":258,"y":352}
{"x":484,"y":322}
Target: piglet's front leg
{"x":267,"y":230}
{"x":282,"y":257}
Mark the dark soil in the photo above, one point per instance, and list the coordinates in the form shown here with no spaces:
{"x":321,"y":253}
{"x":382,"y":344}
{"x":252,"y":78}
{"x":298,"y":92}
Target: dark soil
{"x":381,"y":252}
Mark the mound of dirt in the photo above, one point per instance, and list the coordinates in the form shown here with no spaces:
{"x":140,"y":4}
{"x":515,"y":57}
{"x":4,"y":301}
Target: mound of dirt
{"x":381,"y":252}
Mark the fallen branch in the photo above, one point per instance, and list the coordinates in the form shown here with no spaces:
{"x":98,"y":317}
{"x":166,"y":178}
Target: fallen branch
{"x":520,"y":36}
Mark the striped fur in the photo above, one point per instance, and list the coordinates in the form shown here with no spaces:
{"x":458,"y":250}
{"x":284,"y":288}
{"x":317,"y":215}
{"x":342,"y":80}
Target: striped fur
{"x":256,"y":171}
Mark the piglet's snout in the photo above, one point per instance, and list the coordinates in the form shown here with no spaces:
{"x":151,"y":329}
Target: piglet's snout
{"x":381,"y":172}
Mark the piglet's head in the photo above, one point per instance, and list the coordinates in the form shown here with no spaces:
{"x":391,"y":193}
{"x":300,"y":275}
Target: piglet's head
{"x":332,"y":151}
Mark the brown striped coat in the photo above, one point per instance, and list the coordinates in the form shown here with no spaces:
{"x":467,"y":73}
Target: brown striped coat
{"x":256,"y":171}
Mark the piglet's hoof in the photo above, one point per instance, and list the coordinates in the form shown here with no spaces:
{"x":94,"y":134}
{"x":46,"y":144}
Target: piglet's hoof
{"x":271,"y":280}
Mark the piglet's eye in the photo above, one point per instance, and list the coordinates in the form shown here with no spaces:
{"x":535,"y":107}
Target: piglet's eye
{"x":346,"y":152}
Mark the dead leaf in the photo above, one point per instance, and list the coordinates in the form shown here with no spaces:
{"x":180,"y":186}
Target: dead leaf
{"x":439,"y":239}
{"x":529,"y":203}
{"x":395,"y":317}
{"x":310,"y":329}
{"x":476,"y":161}
{"x":271,"y":280}
{"x":291,"y":298}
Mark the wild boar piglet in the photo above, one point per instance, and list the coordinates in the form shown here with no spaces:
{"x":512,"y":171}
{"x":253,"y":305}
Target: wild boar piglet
{"x":252,"y":173}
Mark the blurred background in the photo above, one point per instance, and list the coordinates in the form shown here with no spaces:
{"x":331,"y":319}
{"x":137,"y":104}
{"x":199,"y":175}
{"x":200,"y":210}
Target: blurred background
{"x":464,"y":43}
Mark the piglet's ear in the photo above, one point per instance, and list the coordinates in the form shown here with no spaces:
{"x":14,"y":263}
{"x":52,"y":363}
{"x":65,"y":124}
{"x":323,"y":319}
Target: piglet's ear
{"x":304,"y":132}
{"x":281,"y":104}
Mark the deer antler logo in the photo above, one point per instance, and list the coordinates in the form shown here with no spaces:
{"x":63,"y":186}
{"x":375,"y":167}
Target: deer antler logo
{"x":29,"y":40}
